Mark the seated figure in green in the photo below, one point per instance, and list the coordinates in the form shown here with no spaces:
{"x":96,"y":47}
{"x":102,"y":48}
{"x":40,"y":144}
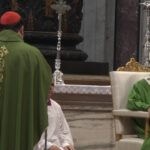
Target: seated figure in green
{"x":139,"y":99}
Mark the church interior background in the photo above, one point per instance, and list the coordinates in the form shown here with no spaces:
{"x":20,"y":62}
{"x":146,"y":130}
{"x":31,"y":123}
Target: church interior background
{"x":98,"y":36}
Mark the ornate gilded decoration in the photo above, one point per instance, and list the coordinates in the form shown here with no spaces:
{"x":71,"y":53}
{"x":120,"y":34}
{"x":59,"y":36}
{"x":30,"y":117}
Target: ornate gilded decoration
{"x":3,"y":53}
{"x":48,"y":10}
{"x":14,"y":5}
{"x":30,"y":24}
{"x":133,"y":66}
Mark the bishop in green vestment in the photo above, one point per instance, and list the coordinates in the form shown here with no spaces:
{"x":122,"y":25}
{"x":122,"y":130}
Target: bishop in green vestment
{"x":139,"y":99}
{"x":25,"y":79}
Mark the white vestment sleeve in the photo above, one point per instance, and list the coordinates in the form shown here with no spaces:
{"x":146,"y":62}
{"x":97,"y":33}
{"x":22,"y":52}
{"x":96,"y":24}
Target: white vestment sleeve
{"x":58,"y":131}
{"x":64,"y":131}
{"x":41,"y":143}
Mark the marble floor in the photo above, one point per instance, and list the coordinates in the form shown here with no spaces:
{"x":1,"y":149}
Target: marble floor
{"x":91,"y":130}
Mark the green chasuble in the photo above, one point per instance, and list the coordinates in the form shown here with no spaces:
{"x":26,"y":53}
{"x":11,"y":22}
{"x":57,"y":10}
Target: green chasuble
{"x":25,"y":79}
{"x":139,"y":99}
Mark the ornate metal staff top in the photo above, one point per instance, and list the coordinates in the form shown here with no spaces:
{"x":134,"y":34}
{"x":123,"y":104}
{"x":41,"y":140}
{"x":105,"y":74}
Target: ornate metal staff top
{"x":146,"y":3}
{"x":61,"y":7}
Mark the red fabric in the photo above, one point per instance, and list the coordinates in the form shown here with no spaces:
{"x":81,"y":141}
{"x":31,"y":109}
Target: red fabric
{"x":49,"y":102}
{"x":9,"y":18}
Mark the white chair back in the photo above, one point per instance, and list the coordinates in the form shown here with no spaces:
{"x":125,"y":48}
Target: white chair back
{"x":121,"y":84}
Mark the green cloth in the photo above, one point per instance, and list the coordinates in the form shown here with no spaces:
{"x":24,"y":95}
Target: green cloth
{"x":25,"y":79}
{"x":139,"y":99}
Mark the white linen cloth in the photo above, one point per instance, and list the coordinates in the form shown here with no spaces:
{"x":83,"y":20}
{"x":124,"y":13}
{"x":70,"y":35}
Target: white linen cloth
{"x":58,"y":131}
{"x":83,"y":89}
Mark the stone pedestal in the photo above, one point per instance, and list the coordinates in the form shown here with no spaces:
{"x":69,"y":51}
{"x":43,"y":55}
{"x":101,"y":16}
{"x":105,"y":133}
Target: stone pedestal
{"x":47,"y":42}
{"x":41,"y":25}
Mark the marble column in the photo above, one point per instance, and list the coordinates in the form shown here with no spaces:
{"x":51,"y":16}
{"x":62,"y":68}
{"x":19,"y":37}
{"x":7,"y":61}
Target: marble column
{"x":127,"y":31}
{"x":97,"y":30}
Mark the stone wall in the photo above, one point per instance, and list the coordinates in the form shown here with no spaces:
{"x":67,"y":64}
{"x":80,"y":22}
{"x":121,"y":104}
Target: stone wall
{"x":98,"y":30}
